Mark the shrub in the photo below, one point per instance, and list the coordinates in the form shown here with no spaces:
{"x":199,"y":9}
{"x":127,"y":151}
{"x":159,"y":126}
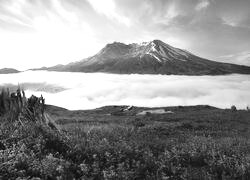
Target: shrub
{"x":233,"y":108}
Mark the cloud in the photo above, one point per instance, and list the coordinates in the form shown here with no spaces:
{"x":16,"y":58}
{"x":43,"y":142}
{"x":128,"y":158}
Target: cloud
{"x":86,"y":91}
{"x":235,"y":13}
{"x":108,"y":8}
{"x":57,"y":35}
{"x":202,"y":4}
{"x":231,"y":21}
{"x":239,"y":58}
{"x":35,"y":87}
{"x":171,"y":11}
{"x":168,"y":16}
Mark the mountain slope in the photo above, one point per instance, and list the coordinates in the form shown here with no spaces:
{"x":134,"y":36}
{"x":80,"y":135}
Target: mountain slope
{"x":153,"y":57}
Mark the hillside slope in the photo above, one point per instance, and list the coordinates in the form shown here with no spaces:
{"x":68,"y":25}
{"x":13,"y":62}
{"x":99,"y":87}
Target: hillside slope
{"x":8,"y":71}
{"x":119,"y":142}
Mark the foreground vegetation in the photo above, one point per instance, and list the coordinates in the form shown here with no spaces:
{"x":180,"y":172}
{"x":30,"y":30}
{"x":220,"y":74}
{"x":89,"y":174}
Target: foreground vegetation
{"x":199,"y":142}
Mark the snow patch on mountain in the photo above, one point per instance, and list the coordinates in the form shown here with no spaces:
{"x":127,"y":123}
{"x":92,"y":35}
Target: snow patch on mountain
{"x":151,"y":54}
{"x":162,"y":52}
{"x":153,"y":45}
{"x":143,"y":43}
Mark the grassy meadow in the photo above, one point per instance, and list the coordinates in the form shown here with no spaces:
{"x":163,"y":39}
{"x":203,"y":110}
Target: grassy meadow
{"x":193,"y":142}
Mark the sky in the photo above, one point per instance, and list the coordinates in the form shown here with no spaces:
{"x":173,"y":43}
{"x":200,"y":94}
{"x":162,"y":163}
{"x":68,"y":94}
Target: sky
{"x":36,"y":33}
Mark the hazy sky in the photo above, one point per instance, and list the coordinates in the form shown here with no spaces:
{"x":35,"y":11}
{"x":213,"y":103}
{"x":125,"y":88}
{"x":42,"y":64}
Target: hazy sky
{"x":35,"y":33}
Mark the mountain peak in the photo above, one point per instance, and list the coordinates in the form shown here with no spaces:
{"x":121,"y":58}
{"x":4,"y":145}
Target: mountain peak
{"x":146,"y":43}
{"x":113,"y":50}
{"x":153,"y":57}
{"x":160,"y":51}
{"x":115,"y":43}
{"x":157,"y":41}
{"x":157,"y":49}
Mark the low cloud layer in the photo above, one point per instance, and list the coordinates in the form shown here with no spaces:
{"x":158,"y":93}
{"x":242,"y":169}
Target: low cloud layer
{"x":87,"y":91}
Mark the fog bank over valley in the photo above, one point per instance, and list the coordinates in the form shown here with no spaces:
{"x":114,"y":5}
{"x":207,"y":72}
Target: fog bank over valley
{"x":91,"y":90}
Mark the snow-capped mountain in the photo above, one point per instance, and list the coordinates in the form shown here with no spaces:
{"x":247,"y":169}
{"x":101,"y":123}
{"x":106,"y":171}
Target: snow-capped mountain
{"x":154,"y":57}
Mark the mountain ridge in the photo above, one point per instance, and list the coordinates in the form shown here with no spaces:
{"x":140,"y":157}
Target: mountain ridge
{"x":154,"y":57}
{"x":8,"y":71}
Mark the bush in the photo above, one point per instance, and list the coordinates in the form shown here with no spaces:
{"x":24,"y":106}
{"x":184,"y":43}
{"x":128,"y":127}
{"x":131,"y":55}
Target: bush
{"x":233,"y":108}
